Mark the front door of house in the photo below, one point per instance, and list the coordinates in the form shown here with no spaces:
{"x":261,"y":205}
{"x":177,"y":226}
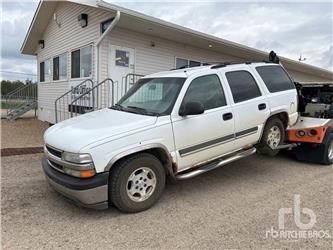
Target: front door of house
{"x":122,"y":63}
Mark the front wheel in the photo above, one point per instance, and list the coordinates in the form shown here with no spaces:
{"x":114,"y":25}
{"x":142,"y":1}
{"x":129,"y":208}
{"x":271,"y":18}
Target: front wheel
{"x":136,"y":183}
{"x":273,"y":136}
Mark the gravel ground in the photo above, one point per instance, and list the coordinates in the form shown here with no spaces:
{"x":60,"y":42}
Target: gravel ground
{"x":231,"y":207}
{"x":24,"y":132}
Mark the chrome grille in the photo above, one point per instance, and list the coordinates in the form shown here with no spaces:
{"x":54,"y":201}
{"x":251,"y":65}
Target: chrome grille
{"x":53,"y":151}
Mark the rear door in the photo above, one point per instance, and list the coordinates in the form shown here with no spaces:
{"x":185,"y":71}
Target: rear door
{"x":250,"y":105}
{"x":199,"y":138}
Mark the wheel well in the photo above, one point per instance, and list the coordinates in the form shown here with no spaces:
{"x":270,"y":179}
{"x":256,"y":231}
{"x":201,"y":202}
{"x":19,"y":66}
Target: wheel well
{"x":160,"y":154}
{"x":283,"y":116}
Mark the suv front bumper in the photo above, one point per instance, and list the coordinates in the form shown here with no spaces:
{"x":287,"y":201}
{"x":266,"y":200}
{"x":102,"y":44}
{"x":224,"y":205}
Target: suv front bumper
{"x":91,"y":192}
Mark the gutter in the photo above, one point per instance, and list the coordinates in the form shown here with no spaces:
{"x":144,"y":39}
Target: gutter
{"x":101,"y":38}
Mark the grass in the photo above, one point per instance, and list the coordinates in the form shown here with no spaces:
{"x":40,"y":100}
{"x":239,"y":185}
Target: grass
{"x":9,"y":105}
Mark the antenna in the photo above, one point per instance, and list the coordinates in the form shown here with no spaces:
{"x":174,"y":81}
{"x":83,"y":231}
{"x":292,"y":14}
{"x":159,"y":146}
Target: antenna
{"x":301,"y":59}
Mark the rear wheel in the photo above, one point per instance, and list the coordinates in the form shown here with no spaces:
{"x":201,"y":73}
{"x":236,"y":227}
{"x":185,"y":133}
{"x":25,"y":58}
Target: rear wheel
{"x":317,"y":153}
{"x":273,"y":136}
{"x":136,"y":183}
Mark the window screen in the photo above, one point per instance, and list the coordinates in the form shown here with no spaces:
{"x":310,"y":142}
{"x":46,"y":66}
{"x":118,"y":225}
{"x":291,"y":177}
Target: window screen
{"x":243,"y":86}
{"x":206,"y":90}
{"x":275,"y":78}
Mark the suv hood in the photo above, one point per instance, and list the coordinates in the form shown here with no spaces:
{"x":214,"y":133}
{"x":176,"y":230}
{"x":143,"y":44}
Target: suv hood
{"x":73,"y":134}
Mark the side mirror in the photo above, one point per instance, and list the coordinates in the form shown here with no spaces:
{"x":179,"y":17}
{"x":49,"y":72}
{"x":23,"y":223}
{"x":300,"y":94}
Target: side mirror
{"x":191,"y":108}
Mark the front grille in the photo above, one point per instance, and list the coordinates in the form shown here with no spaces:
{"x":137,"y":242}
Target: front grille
{"x":54,"y":151}
{"x":56,"y":165}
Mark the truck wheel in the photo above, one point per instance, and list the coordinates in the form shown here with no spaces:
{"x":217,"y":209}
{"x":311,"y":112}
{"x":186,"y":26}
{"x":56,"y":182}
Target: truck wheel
{"x":321,"y":153}
{"x":136,"y":182}
{"x":273,"y":136}
{"x":328,"y":155}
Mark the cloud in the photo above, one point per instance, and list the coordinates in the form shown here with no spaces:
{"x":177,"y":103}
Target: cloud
{"x":288,"y":28}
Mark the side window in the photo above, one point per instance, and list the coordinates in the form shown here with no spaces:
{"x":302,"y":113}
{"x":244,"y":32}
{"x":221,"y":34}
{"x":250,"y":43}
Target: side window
{"x":60,"y":67}
{"x":275,"y":78}
{"x":243,"y":86}
{"x":207,"y":90}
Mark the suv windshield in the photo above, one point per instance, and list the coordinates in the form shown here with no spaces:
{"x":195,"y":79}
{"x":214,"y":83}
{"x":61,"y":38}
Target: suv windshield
{"x":151,"y":96}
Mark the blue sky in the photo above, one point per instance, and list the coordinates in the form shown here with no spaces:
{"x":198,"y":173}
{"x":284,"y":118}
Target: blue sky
{"x":289,"y":28}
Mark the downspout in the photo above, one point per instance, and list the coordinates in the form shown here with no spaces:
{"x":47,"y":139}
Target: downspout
{"x":100,"y":39}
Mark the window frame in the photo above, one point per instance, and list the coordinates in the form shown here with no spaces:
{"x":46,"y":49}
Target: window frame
{"x":65,"y":79}
{"x":92,"y":63}
{"x":254,"y":79}
{"x":222,"y":88}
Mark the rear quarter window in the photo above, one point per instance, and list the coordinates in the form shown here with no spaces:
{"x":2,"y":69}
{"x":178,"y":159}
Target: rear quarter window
{"x":275,"y":78}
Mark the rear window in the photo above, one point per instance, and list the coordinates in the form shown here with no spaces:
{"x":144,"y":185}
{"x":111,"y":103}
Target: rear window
{"x":275,"y":78}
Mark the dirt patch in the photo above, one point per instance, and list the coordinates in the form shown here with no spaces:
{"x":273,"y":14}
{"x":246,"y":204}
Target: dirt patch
{"x":24,"y":132}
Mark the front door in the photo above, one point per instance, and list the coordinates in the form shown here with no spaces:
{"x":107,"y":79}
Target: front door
{"x":199,"y":138}
{"x":122,"y":63}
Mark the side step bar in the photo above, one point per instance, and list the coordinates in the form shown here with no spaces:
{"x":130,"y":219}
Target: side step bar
{"x":216,"y":164}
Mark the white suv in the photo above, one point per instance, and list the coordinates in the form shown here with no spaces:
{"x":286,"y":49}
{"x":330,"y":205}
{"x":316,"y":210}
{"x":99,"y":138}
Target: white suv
{"x":178,"y":123}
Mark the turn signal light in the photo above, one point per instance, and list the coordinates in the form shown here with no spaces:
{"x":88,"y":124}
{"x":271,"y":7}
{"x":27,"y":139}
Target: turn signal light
{"x":87,"y":174}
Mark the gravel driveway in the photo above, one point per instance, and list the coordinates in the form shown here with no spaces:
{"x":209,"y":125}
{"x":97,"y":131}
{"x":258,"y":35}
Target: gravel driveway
{"x":231,"y":207}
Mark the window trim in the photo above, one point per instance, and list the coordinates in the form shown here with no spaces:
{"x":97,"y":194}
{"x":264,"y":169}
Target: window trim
{"x":92,"y":63}
{"x":223,"y":91}
{"x":65,"y":79}
{"x":254,"y":79}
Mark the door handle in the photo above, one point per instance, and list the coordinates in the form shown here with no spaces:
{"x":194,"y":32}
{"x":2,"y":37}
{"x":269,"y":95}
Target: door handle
{"x":262,"y":106}
{"x":227,"y":116}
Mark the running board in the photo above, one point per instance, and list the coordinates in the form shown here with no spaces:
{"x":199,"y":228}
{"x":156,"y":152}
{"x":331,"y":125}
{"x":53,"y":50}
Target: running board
{"x":214,"y":165}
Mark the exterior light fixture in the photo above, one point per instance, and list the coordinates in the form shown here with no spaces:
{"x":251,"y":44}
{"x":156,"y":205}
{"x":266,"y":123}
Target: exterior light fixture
{"x":41,"y":44}
{"x":210,"y":46}
{"x":83,"y":20}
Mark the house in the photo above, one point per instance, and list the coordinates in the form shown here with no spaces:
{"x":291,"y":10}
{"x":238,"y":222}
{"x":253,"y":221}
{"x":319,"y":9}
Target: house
{"x":79,"y":42}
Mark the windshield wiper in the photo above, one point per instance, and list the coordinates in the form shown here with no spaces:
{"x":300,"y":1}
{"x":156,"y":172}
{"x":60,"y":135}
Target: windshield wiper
{"x":143,"y":111}
{"x":117,"y":107}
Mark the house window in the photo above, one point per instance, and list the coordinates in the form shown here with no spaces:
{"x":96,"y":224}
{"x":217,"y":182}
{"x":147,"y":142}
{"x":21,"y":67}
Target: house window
{"x":60,"y":67}
{"x":44,"y":71}
{"x":184,"y":63}
{"x":81,"y":63}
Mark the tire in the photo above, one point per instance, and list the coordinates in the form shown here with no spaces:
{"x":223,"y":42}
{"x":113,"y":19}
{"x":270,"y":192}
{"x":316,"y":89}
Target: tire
{"x":328,"y":155}
{"x":273,"y":136}
{"x":322,"y":153}
{"x":136,"y":183}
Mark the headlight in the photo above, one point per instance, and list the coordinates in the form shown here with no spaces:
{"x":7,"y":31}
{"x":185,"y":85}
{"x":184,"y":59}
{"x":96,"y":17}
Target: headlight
{"x":76,"y":158}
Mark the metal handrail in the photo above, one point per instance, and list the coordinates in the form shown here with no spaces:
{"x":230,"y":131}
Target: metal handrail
{"x":13,"y":91}
{"x":25,"y":93}
{"x":129,"y":75}
{"x":69,"y":92}
{"x":92,"y":91}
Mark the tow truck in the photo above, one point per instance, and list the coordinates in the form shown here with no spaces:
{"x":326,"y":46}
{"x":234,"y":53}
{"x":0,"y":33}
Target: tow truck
{"x":311,"y":138}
